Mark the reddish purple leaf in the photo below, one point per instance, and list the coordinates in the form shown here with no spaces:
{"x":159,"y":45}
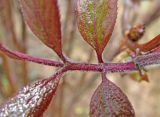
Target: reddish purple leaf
{"x":151,"y":45}
{"x":43,"y":18}
{"x":109,"y":101}
{"x":32,"y":100}
{"x":96,"y":20}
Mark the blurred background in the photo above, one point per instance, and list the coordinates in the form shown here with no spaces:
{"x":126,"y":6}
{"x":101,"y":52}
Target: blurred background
{"x":76,"y":88}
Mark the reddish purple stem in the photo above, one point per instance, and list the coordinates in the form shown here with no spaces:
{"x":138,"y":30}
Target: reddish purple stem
{"x":141,"y":61}
{"x":26,"y":57}
{"x":106,"y":67}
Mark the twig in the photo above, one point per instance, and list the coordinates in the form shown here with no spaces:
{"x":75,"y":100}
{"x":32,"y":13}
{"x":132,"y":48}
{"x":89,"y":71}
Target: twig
{"x":8,"y":72}
{"x":26,"y":57}
{"x":24,"y":50}
{"x":142,"y":60}
{"x":152,"y":14}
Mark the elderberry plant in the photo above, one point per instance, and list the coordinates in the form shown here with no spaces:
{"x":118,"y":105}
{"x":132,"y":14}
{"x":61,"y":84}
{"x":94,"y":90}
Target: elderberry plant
{"x":96,"y":20}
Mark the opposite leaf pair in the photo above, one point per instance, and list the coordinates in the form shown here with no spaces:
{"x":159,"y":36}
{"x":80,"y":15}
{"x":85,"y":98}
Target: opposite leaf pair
{"x":96,"y":20}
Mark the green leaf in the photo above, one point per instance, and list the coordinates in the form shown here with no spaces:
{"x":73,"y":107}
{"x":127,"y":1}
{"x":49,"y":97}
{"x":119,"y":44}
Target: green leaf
{"x":96,"y":20}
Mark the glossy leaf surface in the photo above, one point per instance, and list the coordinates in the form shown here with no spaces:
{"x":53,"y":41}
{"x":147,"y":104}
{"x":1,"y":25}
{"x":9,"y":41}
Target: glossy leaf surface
{"x":96,"y":20}
{"x":43,"y":18}
{"x":32,"y":100}
{"x":109,"y":101}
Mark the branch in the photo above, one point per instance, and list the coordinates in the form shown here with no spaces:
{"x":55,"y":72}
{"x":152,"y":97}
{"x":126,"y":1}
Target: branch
{"x":107,"y":67}
{"x":152,"y":14}
{"x":26,"y":57}
{"x":8,"y":72}
{"x":142,"y":61}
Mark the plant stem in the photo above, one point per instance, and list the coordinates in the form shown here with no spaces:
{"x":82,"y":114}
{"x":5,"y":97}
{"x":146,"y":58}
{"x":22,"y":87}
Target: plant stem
{"x":26,"y":57}
{"x":9,"y":75}
{"x":99,"y":57}
{"x":141,"y":60}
